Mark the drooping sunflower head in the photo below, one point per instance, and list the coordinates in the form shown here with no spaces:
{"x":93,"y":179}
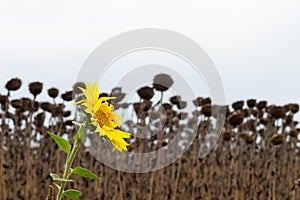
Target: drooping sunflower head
{"x":102,"y":116}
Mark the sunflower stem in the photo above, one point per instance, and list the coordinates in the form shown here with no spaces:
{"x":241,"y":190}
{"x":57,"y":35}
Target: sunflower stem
{"x":69,"y":162}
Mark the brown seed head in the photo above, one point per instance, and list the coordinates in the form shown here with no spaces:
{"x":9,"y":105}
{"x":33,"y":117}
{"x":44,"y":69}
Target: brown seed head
{"x":261,"y":105}
{"x":238,"y":105}
{"x":175,"y":100}
{"x":26,"y":104}
{"x":66,"y":113}
{"x":226,"y":135}
{"x":53,"y":92}
{"x":251,"y":103}
{"x":76,"y":87}
{"x":162,"y":82}
{"x":69,"y":123}
{"x":236,"y":119}
{"x":181,"y":105}
{"x":13,"y":84}
{"x":67,"y":96}
{"x":277,"y":111}
{"x":16,"y":103}
{"x":277,"y":139}
{"x":206,"y":110}
{"x":146,"y":92}
{"x":293,"y":133}
{"x":35,"y":88}
{"x":198,"y":102}
{"x":206,"y":101}
{"x":46,"y":106}
{"x":146,"y":105}
{"x":294,"y":107}
{"x":167,"y":106}
{"x":117,"y":92}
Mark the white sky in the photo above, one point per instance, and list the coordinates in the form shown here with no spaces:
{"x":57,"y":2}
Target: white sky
{"x":255,"y":44}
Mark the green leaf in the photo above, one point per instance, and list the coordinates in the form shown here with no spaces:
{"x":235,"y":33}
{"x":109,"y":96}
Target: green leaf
{"x":84,"y":172}
{"x":61,"y":142}
{"x":81,"y":134}
{"x":55,"y":177}
{"x":73,"y":194}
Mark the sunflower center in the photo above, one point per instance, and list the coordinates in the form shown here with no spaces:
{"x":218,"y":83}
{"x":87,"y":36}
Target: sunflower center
{"x":104,"y":116}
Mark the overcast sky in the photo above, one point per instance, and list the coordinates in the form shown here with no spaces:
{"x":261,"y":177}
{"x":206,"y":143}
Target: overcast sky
{"x":255,"y":45}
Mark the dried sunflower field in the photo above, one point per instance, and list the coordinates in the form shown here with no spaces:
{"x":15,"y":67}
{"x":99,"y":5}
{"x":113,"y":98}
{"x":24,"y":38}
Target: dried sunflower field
{"x":256,"y":157}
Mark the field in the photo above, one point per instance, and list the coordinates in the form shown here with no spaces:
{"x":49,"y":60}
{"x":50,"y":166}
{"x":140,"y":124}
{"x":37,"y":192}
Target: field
{"x":256,"y":156}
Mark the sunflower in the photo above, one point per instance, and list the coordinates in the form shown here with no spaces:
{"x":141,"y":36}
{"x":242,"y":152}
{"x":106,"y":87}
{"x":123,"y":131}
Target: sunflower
{"x":102,"y":116}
